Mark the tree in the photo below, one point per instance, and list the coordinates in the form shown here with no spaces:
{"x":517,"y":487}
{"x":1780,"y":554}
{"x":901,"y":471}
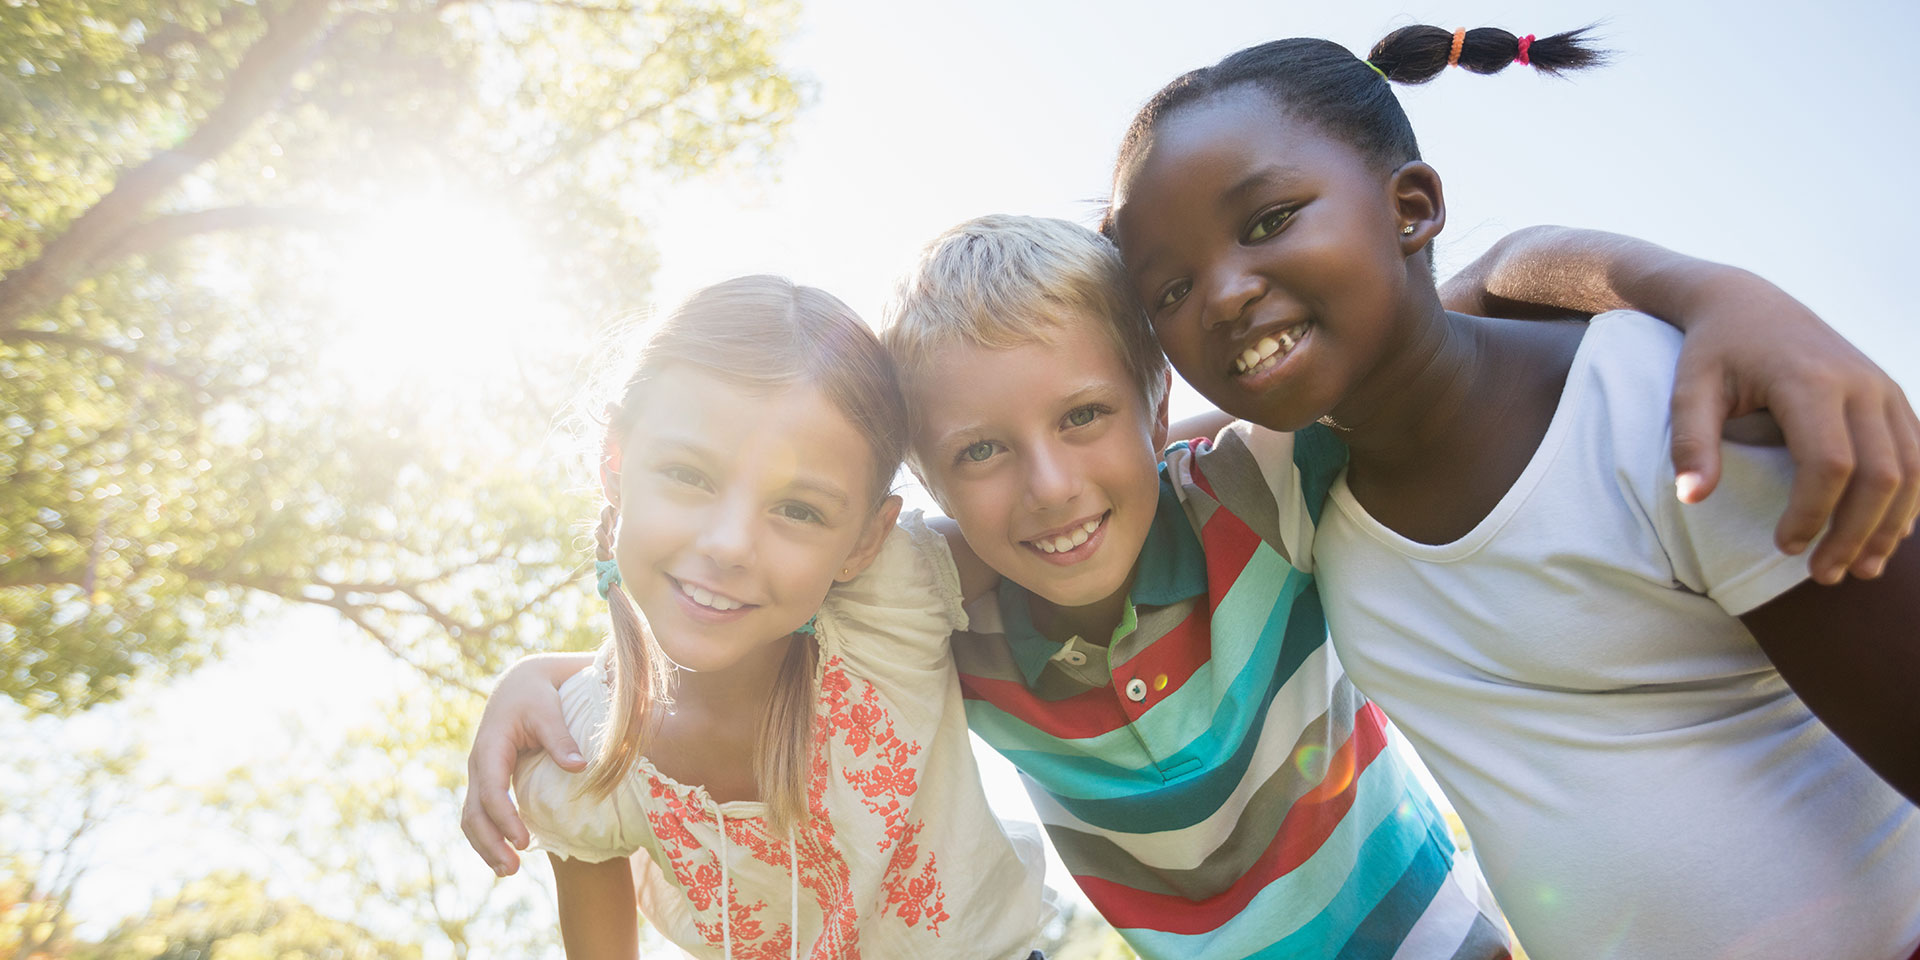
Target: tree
{"x":183,"y":442}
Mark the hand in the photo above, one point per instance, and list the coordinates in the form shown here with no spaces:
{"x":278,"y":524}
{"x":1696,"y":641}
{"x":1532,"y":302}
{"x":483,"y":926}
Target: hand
{"x":1854,"y":439}
{"x":522,"y":714}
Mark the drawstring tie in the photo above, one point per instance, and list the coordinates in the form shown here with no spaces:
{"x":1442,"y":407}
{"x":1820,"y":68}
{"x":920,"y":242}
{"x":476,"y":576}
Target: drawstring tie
{"x":793,"y":892}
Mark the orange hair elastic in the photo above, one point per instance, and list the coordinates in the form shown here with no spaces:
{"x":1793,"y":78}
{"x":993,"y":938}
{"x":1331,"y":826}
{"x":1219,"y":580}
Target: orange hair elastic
{"x":1459,"y":40}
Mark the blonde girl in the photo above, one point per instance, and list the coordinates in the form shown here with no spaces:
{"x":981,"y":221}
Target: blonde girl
{"x":780,"y":765}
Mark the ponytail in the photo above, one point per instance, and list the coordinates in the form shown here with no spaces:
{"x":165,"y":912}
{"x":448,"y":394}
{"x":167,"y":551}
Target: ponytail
{"x":641,"y":679}
{"x":1324,"y":84}
{"x":1418,"y":53}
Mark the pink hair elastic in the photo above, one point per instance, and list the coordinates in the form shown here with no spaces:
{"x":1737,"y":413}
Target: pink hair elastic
{"x":1521,"y":57}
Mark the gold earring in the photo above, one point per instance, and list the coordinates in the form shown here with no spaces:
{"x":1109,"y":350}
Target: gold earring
{"x":1407,"y":230}
{"x":846,"y":571}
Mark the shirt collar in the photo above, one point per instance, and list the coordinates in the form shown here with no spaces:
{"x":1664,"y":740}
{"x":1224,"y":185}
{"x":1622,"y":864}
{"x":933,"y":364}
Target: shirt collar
{"x":1172,"y":567}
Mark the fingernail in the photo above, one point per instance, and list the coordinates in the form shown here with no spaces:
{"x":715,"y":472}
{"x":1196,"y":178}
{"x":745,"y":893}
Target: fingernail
{"x":1686,"y":486}
{"x":1875,"y":567}
{"x":575,"y":758}
{"x":499,"y":870}
{"x":1794,"y":548}
{"x":1830,"y":575}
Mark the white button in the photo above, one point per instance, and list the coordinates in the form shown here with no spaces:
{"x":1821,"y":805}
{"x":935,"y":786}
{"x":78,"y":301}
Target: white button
{"x":1136,"y":689}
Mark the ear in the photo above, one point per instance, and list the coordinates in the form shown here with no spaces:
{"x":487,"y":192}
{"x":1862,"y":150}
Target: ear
{"x":1418,"y":202}
{"x":610,"y":469}
{"x":1160,"y":422}
{"x":871,"y":539}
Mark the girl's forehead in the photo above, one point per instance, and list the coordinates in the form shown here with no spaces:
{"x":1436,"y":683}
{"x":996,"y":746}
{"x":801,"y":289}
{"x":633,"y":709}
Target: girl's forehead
{"x":778,"y":428}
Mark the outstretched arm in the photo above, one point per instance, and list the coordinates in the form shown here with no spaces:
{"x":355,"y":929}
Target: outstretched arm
{"x":522,"y":714}
{"x":1854,"y":438}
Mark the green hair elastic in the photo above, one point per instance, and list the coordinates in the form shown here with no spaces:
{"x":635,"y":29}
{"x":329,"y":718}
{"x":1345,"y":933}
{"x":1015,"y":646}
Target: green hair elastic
{"x":1375,"y":68}
{"x":809,"y":628}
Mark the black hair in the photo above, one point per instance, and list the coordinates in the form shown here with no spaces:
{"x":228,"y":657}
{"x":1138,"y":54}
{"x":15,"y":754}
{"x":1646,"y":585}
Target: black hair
{"x":1324,"y":83}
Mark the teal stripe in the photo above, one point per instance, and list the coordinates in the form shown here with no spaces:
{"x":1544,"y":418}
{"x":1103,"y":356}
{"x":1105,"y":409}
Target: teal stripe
{"x":1320,"y":455}
{"x":1080,"y":780}
{"x":1315,"y":909}
{"x":1248,"y":630}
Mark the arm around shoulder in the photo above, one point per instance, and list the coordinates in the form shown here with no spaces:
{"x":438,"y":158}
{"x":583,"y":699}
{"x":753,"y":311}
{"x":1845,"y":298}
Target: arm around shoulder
{"x":598,"y":916}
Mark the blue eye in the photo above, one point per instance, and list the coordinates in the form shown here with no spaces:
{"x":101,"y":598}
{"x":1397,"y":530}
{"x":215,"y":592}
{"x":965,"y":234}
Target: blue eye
{"x":975,"y":453}
{"x":1082,"y":416}
{"x":1268,"y":224}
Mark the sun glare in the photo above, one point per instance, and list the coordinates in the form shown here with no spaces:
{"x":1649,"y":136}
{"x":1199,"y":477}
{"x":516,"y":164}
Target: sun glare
{"x":446,"y":291}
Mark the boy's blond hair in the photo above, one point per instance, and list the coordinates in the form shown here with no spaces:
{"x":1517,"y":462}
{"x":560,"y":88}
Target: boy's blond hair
{"x":1004,"y":281}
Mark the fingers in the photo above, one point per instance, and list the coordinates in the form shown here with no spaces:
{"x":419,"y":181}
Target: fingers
{"x":550,"y":728}
{"x":1699,"y":411}
{"x":1818,"y":437}
{"x":488,"y":817}
{"x":1898,"y":521}
{"x":1868,"y":498}
{"x":485,"y":838}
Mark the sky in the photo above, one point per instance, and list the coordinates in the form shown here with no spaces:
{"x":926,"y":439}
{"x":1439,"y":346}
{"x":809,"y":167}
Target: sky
{"x":1764,"y":135}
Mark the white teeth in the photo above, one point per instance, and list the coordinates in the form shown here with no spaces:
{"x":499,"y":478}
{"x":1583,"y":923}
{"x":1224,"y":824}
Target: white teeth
{"x":1267,"y":352}
{"x":1091,"y":525}
{"x":1079,"y":537}
{"x":1046,"y":546}
{"x":1072,"y":538}
{"x":708,"y":598}
{"x":1062,"y":544}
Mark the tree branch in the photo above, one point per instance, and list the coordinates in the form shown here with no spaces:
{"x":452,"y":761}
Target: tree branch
{"x":256,"y":83}
{"x":78,"y":342}
{"x":160,"y":231}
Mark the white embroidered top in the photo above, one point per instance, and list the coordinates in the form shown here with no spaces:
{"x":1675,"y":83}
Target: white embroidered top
{"x":900,"y":856}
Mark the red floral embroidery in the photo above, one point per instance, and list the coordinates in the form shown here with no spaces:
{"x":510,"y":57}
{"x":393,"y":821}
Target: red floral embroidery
{"x":886,"y":784}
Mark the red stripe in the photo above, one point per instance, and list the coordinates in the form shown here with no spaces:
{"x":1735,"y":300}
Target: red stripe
{"x":1229,"y":544}
{"x":1078,"y":717}
{"x":1177,"y":656}
{"x":1307,"y":825}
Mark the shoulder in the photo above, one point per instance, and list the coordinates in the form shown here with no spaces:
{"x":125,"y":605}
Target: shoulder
{"x":1275,"y":482}
{"x":565,"y":820}
{"x":897,"y":614}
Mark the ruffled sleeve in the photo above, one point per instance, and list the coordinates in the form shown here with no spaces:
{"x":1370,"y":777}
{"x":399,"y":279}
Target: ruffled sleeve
{"x":565,"y":820}
{"x":901,"y":609}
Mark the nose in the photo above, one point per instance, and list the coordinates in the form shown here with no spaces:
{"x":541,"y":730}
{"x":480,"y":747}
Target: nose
{"x":1052,"y":479}
{"x":727,"y":536}
{"x":1230,"y":291}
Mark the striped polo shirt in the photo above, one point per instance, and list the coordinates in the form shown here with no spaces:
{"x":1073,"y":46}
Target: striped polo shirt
{"x":1209,"y":776}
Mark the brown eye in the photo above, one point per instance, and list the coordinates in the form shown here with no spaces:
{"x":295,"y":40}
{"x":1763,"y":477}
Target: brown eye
{"x":1268,"y":225}
{"x":1174,"y":293}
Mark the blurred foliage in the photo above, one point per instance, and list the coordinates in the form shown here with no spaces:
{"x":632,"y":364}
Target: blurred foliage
{"x":1080,"y":933}
{"x":179,"y":186}
{"x":229,"y":916}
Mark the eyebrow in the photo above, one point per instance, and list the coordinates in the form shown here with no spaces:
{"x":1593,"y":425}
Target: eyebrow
{"x":1078,"y":396}
{"x":824,"y":489}
{"x":1263,"y":178}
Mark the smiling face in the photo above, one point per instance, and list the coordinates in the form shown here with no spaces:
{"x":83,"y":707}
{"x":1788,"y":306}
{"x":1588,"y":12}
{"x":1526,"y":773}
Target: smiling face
{"x":1269,"y":255}
{"x":1046,"y":455}
{"x":738,"y":511}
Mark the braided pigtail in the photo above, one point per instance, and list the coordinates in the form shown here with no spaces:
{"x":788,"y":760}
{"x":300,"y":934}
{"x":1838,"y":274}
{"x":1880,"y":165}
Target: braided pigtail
{"x":1418,"y":53}
{"x":641,"y":679}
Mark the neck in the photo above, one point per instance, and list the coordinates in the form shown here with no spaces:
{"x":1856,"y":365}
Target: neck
{"x":1092,"y":623}
{"x":1406,"y":412}
{"x":751,"y":681}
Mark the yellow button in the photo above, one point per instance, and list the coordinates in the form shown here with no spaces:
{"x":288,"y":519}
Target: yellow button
{"x":1160,"y":682}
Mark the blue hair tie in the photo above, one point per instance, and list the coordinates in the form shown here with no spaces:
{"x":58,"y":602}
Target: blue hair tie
{"x":609,"y":572}
{"x":809,"y":628}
